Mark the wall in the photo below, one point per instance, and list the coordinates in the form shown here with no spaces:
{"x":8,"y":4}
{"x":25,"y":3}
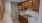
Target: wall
{"x":40,"y":13}
{"x":14,"y":10}
{"x":7,"y":14}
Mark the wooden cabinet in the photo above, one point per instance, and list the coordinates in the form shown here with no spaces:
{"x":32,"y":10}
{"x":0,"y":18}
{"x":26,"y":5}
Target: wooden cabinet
{"x":36,"y":4}
{"x":23,"y":5}
{"x":29,"y":4}
{"x":22,"y":19}
{"x":2,"y":9}
{"x":26,"y":4}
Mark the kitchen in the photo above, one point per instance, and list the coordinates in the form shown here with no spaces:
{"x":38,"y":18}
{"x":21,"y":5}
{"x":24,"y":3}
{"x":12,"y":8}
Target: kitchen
{"x":29,"y":11}
{"x":26,"y":11}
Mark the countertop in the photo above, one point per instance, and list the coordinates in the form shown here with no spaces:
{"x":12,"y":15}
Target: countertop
{"x":29,"y":14}
{"x":25,"y":15}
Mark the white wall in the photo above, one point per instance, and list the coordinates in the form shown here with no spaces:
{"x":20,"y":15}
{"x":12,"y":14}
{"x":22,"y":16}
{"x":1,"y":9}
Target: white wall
{"x":14,"y":10}
{"x":40,"y":13}
{"x":7,"y":15}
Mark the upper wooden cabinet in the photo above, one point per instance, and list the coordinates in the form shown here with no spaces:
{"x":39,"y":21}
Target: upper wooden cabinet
{"x":26,"y":4}
{"x":34,"y":4}
{"x":29,"y":4}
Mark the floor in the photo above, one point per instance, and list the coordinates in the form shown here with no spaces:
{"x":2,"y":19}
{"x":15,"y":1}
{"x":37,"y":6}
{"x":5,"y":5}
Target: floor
{"x":0,"y":21}
{"x":16,"y":21}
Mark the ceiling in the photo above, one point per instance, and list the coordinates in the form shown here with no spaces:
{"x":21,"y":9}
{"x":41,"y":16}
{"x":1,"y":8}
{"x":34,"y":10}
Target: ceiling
{"x":17,"y":1}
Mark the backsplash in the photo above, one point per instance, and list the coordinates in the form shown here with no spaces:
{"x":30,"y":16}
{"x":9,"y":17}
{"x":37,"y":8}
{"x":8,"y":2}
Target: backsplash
{"x":29,"y":8}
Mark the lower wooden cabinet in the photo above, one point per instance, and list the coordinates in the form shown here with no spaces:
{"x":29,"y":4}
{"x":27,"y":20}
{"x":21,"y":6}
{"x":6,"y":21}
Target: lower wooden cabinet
{"x":22,"y":19}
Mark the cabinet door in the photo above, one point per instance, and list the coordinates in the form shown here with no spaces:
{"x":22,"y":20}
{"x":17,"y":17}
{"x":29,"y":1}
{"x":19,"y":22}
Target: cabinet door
{"x":22,"y":19}
{"x":19,"y":4}
{"x":36,"y":5}
{"x":24,"y":5}
{"x":29,"y":4}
